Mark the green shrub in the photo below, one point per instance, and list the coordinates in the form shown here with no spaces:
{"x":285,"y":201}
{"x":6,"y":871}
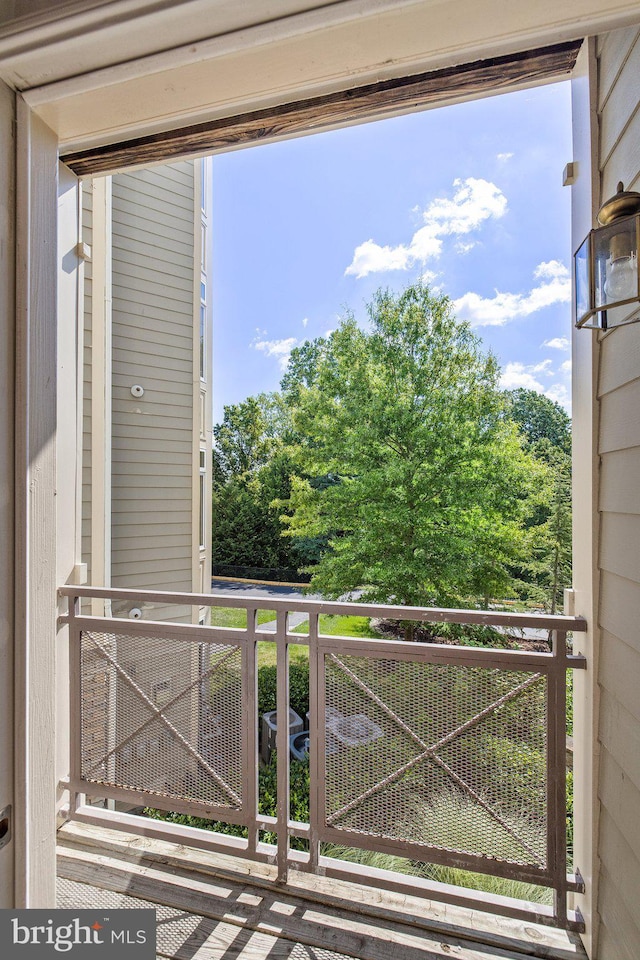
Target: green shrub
{"x":516,"y":772}
{"x":498,"y":886}
{"x":368,"y":858}
{"x":456,"y":822}
{"x":298,"y":688}
{"x":570,"y":819}
{"x":298,"y":792}
{"x":470,"y":635}
{"x":186,"y":820}
{"x":267,"y":804}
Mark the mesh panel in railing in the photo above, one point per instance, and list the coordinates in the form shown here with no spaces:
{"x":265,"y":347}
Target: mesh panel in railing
{"x":446,"y":755}
{"x":162,"y":716}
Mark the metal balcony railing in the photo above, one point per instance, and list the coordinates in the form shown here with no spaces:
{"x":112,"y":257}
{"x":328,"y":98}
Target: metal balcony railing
{"x":435,"y":753}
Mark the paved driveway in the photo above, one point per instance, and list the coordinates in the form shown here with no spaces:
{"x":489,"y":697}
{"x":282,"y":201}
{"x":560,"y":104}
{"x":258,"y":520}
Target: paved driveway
{"x":259,"y":591}
{"x":264,"y":591}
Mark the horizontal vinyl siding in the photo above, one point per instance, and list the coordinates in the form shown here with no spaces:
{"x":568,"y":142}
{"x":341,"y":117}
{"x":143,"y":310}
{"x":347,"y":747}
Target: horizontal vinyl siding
{"x":619,"y":539}
{"x":619,"y":608}
{"x":158,"y":242}
{"x":618,"y":918}
{"x":619,"y":446}
{"x":152,"y":448}
{"x":150,"y":326}
{"x":144,"y":530}
{"x":630,"y":894}
{"x":167,"y":581}
{"x":620,"y":736}
{"x":619,"y":104}
{"x":156,"y":611}
{"x":620,"y":366}
{"x":620,"y":408}
{"x":143,"y":445}
{"x":622,"y":801}
{"x":619,"y":668}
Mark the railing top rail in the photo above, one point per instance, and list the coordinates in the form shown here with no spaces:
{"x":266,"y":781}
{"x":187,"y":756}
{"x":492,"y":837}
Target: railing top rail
{"x":387,"y":611}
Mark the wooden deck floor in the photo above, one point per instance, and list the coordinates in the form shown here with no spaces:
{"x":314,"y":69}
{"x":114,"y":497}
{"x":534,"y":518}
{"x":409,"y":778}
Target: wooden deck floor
{"x":212,"y":907}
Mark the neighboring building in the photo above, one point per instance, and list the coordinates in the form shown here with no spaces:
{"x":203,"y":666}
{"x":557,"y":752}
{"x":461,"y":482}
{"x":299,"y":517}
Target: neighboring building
{"x":147,"y":412}
{"x":147,"y":432}
{"x":91,"y":80}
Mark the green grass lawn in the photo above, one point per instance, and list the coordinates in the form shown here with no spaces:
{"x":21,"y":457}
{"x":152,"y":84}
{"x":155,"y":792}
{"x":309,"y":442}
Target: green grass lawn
{"x":232,"y":617}
{"x":267,"y":654}
{"x":332,"y":625}
{"x":335,"y":625}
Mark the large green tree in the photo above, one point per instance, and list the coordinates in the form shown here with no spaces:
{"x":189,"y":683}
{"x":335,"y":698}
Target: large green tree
{"x":406,"y":460}
{"x":540,"y":419}
{"x":546,"y":429}
{"x":251,"y":470}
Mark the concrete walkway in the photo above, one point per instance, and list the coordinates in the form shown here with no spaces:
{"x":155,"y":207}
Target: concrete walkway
{"x":295,"y":619}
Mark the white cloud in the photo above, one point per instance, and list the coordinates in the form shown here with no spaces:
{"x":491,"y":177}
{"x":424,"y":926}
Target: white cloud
{"x":560,"y":393}
{"x":473,"y":202}
{"x":305,"y":321}
{"x":517,"y":374}
{"x":277,"y":348}
{"x":543,"y":367}
{"x":558,"y":343}
{"x":429,"y":277}
{"x":464,"y":246}
{"x":554,"y":287}
{"x":566,"y":366}
{"x":503,"y":157}
{"x":369,"y":257}
{"x":551,"y":270}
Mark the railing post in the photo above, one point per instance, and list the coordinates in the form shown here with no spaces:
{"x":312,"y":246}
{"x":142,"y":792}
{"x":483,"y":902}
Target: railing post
{"x":316,"y":737}
{"x":282,"y":744}
{"x":557,"y":773}
{"x":250,"y":737}
{"x":75,"y":707}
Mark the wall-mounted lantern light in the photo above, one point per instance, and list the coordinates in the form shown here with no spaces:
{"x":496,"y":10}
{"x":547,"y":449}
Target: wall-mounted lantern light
{"x":606,"y":266}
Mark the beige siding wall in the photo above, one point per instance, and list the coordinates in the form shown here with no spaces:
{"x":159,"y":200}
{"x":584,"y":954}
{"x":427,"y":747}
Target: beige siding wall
{"x":153,"y":331}
{"x":150,"y":276}
{"x":619,"y":448}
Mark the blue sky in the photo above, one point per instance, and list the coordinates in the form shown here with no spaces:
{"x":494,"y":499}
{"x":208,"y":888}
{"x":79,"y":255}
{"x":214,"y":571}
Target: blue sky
{"x":468,"y":196}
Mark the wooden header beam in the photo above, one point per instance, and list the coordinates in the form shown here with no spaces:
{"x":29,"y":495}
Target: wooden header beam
{"x":373,"y":101}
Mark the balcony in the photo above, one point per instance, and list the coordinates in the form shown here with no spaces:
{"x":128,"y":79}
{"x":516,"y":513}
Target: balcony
{"x":421,"y":753}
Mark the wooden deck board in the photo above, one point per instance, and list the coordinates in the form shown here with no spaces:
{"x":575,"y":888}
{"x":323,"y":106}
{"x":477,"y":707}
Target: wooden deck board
{"x":185,"y":936}
{"x":235,"y":909}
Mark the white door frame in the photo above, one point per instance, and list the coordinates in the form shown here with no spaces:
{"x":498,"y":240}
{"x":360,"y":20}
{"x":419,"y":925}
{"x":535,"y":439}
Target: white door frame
{"x":35,"y":511}
{"x":46,"y":514}
{"x":38,"y":544}
{"x":7,"y":348}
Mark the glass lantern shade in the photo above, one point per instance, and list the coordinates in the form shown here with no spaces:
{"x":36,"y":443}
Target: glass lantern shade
{"x":606,"y":275}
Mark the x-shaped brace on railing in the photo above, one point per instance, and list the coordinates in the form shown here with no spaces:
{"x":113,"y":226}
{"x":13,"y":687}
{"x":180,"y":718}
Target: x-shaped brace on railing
{"x":158,"y":714}
{"x":430,"y":752}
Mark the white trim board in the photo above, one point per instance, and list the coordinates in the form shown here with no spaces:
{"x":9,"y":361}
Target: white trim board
{"x":308,"y":54}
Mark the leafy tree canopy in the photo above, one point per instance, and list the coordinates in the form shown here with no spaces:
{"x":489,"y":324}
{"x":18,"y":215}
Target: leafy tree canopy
{"x":547,"y":429}
{"x":248,"y":437}
{"x":252,"y":468}
{"x":428,"y":475}
{"x":540,"y":418}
